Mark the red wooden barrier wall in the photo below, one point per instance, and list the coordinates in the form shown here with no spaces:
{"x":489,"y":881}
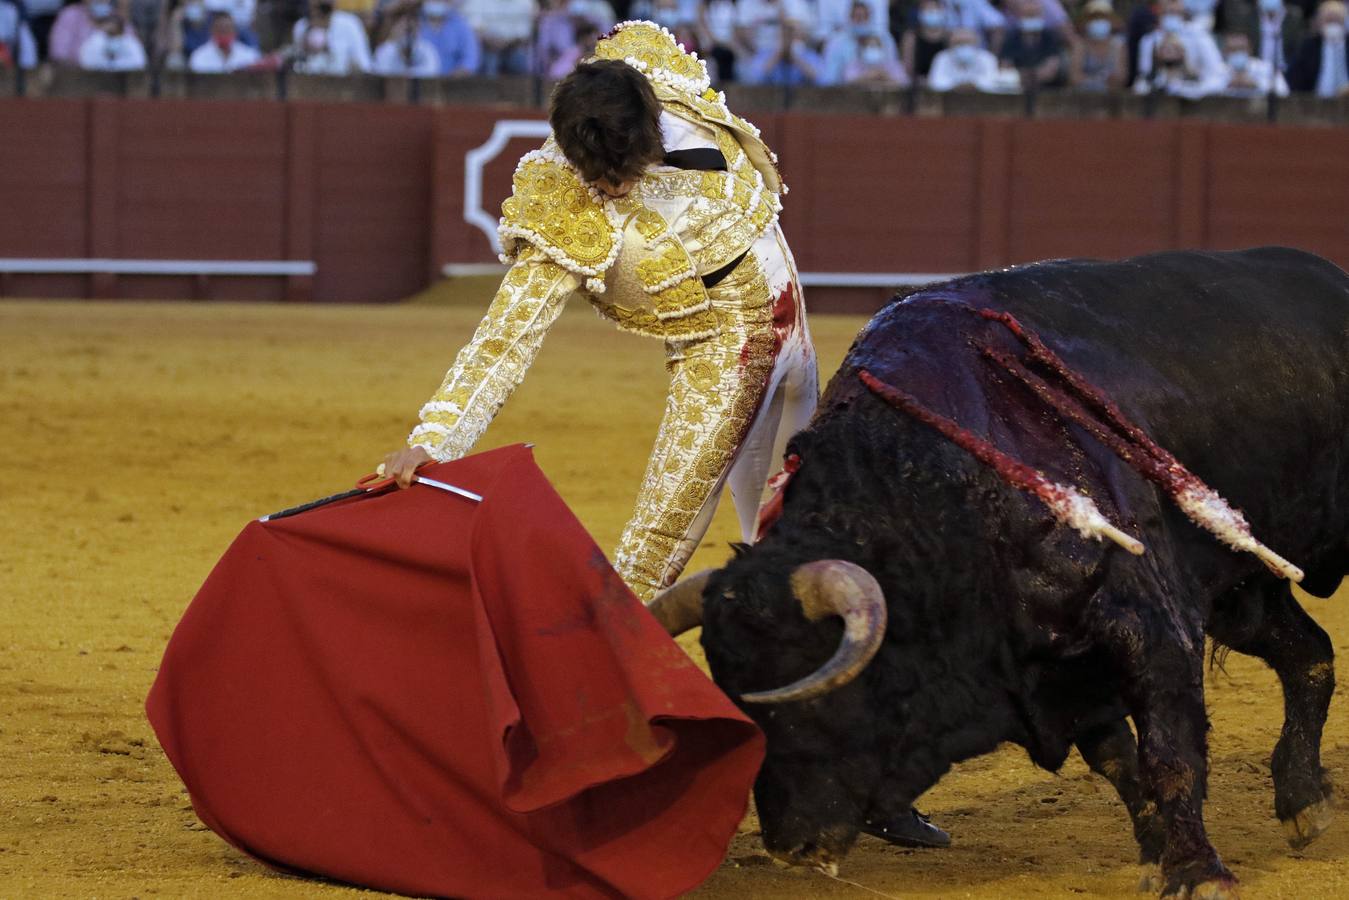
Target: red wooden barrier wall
{"x":373,"y":193}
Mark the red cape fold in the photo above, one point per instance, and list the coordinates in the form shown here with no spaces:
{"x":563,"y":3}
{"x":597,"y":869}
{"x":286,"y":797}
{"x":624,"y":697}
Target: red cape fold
{"x":419,"y":693}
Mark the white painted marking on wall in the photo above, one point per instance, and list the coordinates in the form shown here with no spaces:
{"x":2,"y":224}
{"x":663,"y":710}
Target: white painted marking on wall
{"x":477,"y":159}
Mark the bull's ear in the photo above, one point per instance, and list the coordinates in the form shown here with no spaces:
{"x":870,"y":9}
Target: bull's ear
{"x":739,"y":548}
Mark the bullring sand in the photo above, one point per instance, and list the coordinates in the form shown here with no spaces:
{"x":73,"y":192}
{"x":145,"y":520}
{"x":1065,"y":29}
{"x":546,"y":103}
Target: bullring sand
{"x":138,"y":439}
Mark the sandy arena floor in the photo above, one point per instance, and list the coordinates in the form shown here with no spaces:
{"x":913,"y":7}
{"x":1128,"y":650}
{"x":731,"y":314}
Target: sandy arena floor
{"x":138,"y":439}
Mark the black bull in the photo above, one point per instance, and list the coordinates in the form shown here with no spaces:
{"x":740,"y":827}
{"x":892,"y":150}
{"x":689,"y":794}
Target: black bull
{"x":1004,"y":625}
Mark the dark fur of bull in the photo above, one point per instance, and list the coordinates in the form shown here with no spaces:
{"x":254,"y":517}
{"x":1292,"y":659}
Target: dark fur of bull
{"x":1004,"y":625}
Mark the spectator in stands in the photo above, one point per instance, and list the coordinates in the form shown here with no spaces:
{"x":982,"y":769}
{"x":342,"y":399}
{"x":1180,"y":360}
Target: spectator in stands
{"x":788,"y":60}
{"x":72,"y":28}
{"x":554,"y":34}
{"x":717,"y":32}
{"x":331,"y":41}
{"x":686,"y":35}
{"x":1322,"y":63}
{"x":833,"y":16}
{"x":224,"y":52}
{"x":761,"y":23}
{"x":666,"y":13}
{"x":1201,"y":14}
{"x":405,"y":53}
{"x":979,"y":16}
{"x":18,"y":47}
{"x":1051,"y":12}
{"x":242,"y":13}
{"x":40,"y":14}
{"x":601,"y":12}
{"x":1248,"y":76}
{"x":1141,"y":22}
{"x":876,"y":63}
{"x":964,"y":65}
{"x":112,"y":47}
{"x":1033,"y":50}
{"x":504,"y":29}
{"x":181,"y":31}
{"x":1192,"y":66}
{"x":1173,"y":69}
{"x":584,"y":36}
{"x":926,"y":36}
{"x":1098,"y":63}
{"x":446,"y":30}
{"x":845,"y":45}
{"x":1276,"y":31}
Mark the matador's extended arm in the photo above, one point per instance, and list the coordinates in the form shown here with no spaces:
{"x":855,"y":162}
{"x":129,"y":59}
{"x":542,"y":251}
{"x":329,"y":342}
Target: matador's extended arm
{"x":494,"y":363}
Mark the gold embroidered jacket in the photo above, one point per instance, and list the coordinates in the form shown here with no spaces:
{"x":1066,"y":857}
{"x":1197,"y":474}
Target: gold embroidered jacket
{"x":639,"y":259}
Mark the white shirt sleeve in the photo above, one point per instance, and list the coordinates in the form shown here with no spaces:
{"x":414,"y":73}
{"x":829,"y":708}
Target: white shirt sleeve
{"x":91,"y":51}
{"x":354,"y":39}
{"x":132,"y":57}
{"x":205,"y":60}
{"x":944,"y":75}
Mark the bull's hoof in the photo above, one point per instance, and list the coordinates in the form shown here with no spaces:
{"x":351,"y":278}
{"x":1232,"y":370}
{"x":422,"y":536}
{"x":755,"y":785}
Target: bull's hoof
{"x":1309,"y":824}
{"x":1214,"y":889}
{"x":1150,"y":879}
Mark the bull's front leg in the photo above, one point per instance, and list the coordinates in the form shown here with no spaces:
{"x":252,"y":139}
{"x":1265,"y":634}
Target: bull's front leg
{"x":1161,"y":662}
{"x":1111,"y":752}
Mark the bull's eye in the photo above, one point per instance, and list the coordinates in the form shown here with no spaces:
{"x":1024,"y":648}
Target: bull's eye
{"x":729,"y":595}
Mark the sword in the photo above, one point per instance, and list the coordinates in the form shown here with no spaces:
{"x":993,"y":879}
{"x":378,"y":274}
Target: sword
{"x":370,"y":489}
{"x":431,"y":482}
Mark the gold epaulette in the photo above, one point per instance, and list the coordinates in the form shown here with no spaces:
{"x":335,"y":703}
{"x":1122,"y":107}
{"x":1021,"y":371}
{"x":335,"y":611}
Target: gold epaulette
{"x":552,"y":209}
{"x":680,"y":77}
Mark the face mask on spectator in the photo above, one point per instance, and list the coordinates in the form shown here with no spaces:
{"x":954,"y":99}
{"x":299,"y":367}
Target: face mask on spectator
{"x":1271,"y":6}
{"x":1333,"y":31}
{"x":931,"y":18}
{"x":1098,"y":29}
{"x":1034,"y":23}
{"x":1172,"y":23}
{"x":195,"y":13}
{"x":436,"y":9}
{"x":872,"y":55}
{"x":315,"y":41}
{"x":1239,"y":60}
{"x":225,"y":42}
{"x":100,"y":11}
{"x":964,"y":54}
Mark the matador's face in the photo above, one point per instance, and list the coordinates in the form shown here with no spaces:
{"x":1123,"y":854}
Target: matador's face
{"x":611,"y":188}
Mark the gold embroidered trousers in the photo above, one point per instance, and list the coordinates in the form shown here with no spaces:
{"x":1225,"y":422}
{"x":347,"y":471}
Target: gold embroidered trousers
{"x":735,"y":398}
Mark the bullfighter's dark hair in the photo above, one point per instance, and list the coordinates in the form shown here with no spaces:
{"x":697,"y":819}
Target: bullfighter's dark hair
{"x":606,"y":120}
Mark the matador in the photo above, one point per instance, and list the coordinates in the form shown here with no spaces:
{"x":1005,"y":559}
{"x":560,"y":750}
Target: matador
{"x":691,"y":254}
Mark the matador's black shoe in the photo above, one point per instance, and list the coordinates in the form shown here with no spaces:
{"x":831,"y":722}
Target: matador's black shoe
{"x":908,"y":829}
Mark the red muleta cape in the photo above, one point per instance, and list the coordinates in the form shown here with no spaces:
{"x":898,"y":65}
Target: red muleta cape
{"x":416,"y":692}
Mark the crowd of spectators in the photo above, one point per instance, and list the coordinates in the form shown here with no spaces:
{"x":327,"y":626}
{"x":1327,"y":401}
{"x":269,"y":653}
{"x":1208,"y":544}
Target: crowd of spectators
{"x":1186,"y":48}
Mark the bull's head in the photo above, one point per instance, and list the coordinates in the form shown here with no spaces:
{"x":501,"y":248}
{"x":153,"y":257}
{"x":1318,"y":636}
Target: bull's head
{"x":764,"y":630}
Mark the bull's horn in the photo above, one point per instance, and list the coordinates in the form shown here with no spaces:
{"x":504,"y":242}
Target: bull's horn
{"x":832,"y":587}
{"x":679,"y":607}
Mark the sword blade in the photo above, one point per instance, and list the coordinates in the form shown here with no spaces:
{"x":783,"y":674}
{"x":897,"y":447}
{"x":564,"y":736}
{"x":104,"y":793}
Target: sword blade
{"x":440,"y":485}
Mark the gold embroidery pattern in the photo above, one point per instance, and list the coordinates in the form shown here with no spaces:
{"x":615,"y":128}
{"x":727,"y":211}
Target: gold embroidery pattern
{"x":698,"y":324}
{"x":667,"y":263}
{"x":657,"y":54}
{"x":715,"y":390}
{"x":551,"y":208}
{"x":649,"y":224}
{"x":494,"y":362}
{"x":679,"y":300}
